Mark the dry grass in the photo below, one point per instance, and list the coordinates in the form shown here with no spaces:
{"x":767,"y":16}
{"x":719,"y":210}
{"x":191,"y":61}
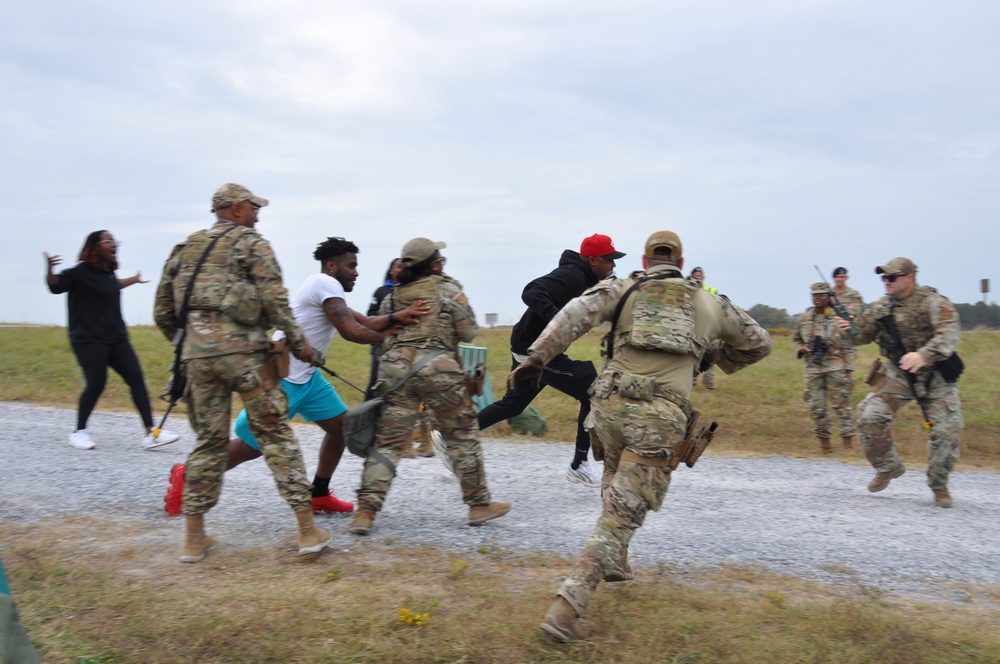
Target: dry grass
{"x":91,"y":591}
{"x":760,"y":409}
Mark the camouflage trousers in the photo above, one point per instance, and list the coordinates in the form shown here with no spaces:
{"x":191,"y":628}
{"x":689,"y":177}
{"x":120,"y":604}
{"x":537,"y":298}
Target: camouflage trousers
{"x":836,"y":387}
{"x":628,"y":490}
{"x":440,"y":386}
{"x":211,"y":383}
{"x":944,"y":410}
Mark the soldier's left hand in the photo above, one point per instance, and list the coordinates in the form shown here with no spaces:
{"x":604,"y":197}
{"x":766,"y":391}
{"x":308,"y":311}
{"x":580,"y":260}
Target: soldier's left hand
{"x":912,"y":362}
{"x":530,"y":369}
{"x":842,"y":325}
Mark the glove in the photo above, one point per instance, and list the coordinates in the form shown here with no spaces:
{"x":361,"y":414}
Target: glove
{"x":529,"y":370}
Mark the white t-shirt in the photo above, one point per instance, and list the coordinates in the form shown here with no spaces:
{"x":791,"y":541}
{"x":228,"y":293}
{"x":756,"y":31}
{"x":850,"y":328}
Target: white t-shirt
{"x":307,"y":306}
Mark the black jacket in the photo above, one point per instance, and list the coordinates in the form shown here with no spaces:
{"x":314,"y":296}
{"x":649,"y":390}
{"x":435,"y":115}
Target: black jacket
{"x":545,"y":296}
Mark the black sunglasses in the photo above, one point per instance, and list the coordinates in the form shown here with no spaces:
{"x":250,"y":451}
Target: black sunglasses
{"x":891,"y":278}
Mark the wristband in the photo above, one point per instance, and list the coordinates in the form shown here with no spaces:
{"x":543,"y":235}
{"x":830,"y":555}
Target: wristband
{"x":393,"y":319}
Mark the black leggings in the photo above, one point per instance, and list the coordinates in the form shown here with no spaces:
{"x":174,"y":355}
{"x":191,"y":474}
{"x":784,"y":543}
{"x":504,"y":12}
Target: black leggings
{"x":95,"y":359}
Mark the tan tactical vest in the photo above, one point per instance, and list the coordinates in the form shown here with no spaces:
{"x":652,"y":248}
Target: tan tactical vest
{"x":436,"y":325}
{"x":222,"y":283}
{"x":659,"y":316}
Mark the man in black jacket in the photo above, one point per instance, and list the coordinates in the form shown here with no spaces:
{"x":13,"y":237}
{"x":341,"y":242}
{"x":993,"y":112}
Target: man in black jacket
{"x":545,"y":296}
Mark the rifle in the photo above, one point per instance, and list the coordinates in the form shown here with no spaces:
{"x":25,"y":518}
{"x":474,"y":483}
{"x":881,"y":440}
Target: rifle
{"x":817,"y":349}
{"x":336,"y":375}
{"x":895,"y":352}
{"x":838,"y":308}
{"x":691,"y":448}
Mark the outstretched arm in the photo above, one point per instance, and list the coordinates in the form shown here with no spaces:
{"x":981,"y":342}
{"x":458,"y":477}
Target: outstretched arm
{"x":137,"y":279}
{"x":348,"y":322}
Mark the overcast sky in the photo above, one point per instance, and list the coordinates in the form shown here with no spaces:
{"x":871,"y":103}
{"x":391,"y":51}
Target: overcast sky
{"x":771,"y":136}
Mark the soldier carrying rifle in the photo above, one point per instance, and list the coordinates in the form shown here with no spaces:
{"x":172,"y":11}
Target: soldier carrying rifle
{"x":827,"y":374}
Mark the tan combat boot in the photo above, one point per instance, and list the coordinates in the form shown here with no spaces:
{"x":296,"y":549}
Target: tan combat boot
{"x":620,"y":574}
{"x":848,"y":442}
{"x":824,"y":446}
{"x":311,"y":538}
{"x":483,"y":513}
{"x":563,"y":624}
{"x":942,"y":498}
{"x":361,"y":524}
{"x":882,"y":480}
{"x":196,"y":543}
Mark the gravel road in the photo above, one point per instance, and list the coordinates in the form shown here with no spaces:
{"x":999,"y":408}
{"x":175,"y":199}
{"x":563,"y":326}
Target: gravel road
{"x":812,"y":519}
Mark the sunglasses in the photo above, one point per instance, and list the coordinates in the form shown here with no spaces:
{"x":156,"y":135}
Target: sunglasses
{"x":891,"y":278}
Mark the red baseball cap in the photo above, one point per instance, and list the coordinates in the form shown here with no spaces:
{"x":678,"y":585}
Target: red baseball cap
{"x":599,"y":245}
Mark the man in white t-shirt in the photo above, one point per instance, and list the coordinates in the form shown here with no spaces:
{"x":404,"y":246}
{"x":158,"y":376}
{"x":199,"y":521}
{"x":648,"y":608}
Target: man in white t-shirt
{"x":320,"y":307}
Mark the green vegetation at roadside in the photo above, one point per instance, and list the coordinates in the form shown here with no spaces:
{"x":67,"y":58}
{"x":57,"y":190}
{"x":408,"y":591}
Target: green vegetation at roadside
{"x":760,"y":410}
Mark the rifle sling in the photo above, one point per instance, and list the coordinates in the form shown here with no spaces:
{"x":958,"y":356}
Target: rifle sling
{"x":610,"y":337}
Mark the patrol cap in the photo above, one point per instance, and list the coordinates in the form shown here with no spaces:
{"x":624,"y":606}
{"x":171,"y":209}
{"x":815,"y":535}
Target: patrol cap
{"x":661,"y":239}
{"x":231,"y":194}
{"x":897,"y":266}
{"x":819,"y":288}
{"x":599,"y":245}
{"x":419,"y":249}
{"x":698,"y":269}
{"x":839,"y":270}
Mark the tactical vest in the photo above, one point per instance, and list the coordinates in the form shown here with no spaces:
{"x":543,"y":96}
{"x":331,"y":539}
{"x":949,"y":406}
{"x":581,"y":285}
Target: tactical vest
{"x":660,"y":317}
{"x":913,"y":319}
{"x":435,"y":325}
{"x":222,"y":283}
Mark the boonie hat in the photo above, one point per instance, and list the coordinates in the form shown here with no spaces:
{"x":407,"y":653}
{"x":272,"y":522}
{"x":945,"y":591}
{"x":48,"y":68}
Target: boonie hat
{"x":897,"y":266}
{"x":661,"y":239}
{"x":599,"y":245}
{"x":231,"y":194}
{"x":419,"y":249}
{"x":819,"y":288}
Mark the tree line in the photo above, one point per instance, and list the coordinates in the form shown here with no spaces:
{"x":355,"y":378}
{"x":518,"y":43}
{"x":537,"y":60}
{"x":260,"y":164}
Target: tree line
{"x":972,"y":316}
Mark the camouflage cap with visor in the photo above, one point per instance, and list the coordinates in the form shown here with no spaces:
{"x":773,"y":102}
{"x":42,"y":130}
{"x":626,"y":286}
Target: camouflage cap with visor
{"x":231,"y":194}
{"x":897,"y":266}
{"x":661,"y":240}
{"x":419,"y":249}
{"x":820,"y":288}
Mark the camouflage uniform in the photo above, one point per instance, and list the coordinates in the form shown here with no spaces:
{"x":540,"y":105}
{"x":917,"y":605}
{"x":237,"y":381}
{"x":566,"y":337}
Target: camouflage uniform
{"x":439,"y":385}
{"x":238,"y":296}
{"x":640,"y":402}
{"x":928,"y":324}
{"x":855,"y":304}
{"x":829,"y":377}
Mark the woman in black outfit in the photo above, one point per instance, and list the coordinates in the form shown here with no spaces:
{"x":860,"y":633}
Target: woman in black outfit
{"x":98,"y":335}
{"x":390,"y":280}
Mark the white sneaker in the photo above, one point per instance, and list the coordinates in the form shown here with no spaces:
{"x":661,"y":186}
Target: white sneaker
{"x":81,"y":440}
{"x":165,"y":438}
{"x":586,"y":474}
{"x":437,"y":442}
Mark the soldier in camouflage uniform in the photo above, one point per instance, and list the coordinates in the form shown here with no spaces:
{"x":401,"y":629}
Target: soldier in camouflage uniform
{"x":440,"y":385}
{"x":640,"y":400}
{"x":855,"y":304}
{"x":236,"y":297}
{"x":824,"y":348}
{"x":928,"y":327}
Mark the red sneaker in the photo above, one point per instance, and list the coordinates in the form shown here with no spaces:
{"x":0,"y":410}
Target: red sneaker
{"x":330,"y":503}
{"x":173,"y":503}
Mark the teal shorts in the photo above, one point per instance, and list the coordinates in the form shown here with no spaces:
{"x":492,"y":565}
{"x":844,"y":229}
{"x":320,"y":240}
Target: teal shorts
{"x":314,"y":400}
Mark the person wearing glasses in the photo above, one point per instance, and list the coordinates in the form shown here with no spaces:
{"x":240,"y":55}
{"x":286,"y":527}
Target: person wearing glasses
{"x":440,"y":385}
{"x":98,"y":334}
{"x":221,"y":312}
{"x":545,"y":296}
{"x":924,"y":369}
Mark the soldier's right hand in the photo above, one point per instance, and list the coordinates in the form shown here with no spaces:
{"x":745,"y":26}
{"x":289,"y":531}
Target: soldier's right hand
{"x":306,"y":355}
{"x":842,"y":325}
{"x":529,"y":370}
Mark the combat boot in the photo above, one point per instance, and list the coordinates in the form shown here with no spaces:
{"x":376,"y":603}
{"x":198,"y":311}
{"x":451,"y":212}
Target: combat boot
{"x":311,"y":538}
{"x":848,"y":442}
{"x":361,"y":524}
{"x":942,"y":498}
{"x":196,"y":543}
{"x":563,"y":624}
{"x":483,"y":513}
{"x":882,"y":480}
{"x":620,"y":574}
{"x":824,"y":446}
{"x":424,"y":447}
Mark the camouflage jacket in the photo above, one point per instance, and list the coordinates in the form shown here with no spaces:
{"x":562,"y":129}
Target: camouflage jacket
{"x":836,"y":355}
{"x":927,"y":322}
{"x":450,"y":321}
{"x":851,"y":299}
{"x":731,"y":337}
{"x":214,"y":332}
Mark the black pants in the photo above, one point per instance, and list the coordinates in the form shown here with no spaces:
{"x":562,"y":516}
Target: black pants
{"x":95,"y":359}
{"x":572,"y":377}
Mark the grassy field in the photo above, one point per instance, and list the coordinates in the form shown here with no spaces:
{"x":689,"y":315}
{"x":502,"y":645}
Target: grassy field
{"x":94,"y":591}
{"x":760,"y":409}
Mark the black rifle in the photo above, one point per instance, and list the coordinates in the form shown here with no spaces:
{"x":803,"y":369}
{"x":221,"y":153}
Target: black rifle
{"x":838,"y":308}
{"x":895,"y":352}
